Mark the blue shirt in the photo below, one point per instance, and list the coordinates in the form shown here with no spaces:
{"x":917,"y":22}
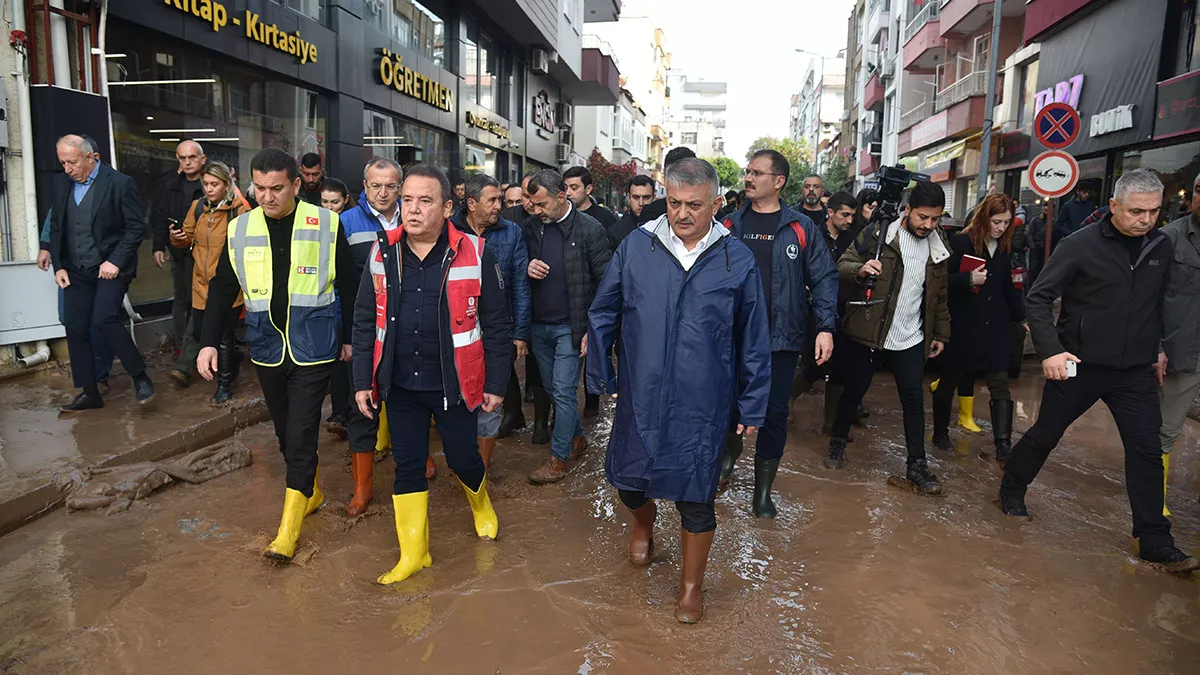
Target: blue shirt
{"x":418,"y":355}
{"x":81,"y":189}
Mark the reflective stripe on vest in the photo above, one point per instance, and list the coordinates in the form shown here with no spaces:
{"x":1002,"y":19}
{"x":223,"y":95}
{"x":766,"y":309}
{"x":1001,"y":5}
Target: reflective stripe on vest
{"x":311,"y":332}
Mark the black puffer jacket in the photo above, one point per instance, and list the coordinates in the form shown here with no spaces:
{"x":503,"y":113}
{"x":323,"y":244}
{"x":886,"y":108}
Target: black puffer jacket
{"x":586,"y":252}
{"x":172,"y":199}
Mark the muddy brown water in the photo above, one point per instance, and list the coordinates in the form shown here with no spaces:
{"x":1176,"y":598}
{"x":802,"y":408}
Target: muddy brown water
{"x":853,"y":577}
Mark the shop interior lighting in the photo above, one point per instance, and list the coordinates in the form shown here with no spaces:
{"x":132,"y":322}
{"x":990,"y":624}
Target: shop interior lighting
{"x":389,"y":145}
{"x":215,"y":140}
{"x":170,"y":140}
{"x":383,"y":138}
{"x":131,"y":83}
{"x":182,"y":131}
{"x":149,"y":118}
{"x":97,"y":52}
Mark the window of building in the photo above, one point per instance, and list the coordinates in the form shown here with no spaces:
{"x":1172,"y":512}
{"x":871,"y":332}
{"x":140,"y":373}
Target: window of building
{"x":470,"y":71}
{"x":313,"y":9}
{"x":479,"y":159}
{"x":486,"y":73}
{"x":687,"y":137}
{"x":405,"y":141}
{"x":1183,"y":49}
{"x":490,"y":76}
{"x":1029,"y":88}
{"x":410,"y":25}
{"x":1176,"y":166}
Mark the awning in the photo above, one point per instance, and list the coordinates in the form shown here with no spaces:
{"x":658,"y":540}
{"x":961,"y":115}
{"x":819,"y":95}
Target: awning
{"x":945,"y":154}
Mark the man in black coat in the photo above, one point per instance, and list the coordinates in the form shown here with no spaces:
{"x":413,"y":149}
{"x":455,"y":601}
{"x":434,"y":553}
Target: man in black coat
{"x":1112,"y":278}
{"x":568,"y":253}
{"x":640,"y":193}
{"x":96,"y":227}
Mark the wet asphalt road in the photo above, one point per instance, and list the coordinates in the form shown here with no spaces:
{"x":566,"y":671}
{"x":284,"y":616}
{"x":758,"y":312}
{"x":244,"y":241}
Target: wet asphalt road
{"x":854,"y":576}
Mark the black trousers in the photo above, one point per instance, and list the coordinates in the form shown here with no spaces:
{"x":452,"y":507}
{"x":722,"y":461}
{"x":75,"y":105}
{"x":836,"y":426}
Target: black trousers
{"x":341,"y":398}
{"x":294,"y":395}
{"x":908,"y":366}
{"x":773,"y":435}
{"x":1131,"y":395}
{"x":91,"y":301}
{"x":696,"y":517}
{"x":408,"y":420}
{"x":533,"y":379}
{"x":181,"y":301}
{"x":363,"y":432}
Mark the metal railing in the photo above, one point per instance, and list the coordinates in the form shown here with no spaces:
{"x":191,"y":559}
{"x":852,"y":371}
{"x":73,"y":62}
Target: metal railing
{"x":930,"y":12}
{"x":974,"y":84}
{"x":912,"y":117}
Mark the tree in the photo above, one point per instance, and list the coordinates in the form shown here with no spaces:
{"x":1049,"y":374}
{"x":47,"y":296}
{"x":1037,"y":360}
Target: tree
{"x":799,"y":157}
{"x":728,"y":172}
{"x":837,"y":173}
{"x":608,"y":176}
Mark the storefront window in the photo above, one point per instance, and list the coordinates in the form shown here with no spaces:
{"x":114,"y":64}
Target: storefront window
{"x":487,"y":74}
{"x":479,"y":159}
{"x":313,"y":9}
{"x":470,"y":71}
{"x":410,"y":25}
{"x":1025,"y":107}
{"x":490,"y":77}
{"x":1177,"y":166}
{"x":234,"y":114}
{"x":406,"y":142}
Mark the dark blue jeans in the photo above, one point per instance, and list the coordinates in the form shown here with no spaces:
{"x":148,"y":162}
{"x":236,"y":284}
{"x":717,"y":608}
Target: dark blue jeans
{"x":558,"y":363}
{"x":408,"y":415}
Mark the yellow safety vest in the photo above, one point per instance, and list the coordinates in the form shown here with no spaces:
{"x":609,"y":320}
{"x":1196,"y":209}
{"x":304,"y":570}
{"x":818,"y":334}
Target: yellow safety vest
{"x":312,"y":329}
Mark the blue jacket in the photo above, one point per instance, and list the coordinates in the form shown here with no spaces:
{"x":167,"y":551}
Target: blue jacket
{"x":800,"y":262}
{"x":1072,"y":215}
{"x":507,"y":242}
{"x":692,"y":344}
{"x":361,"y":227}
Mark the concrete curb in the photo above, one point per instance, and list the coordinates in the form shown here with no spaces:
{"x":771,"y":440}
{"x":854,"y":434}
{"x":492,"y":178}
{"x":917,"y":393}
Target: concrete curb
{"x":44,"y":498}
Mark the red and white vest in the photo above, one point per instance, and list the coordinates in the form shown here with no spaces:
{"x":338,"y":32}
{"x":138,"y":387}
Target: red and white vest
{"x":463,"y":283}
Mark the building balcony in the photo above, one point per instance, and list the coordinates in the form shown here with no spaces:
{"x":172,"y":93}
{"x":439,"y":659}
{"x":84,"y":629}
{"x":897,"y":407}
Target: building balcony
{"x":867,"y":163}
{"x":971,"y":17}
{"x":877,"y":18}
{"x":956,"y":121}
{"x":599,"y":80}
{"x":912,"y":117}
{"x":924,"y":45}
{"x":595,"y":11}
{"x":872,"y":92}
{"x":974,"y":84}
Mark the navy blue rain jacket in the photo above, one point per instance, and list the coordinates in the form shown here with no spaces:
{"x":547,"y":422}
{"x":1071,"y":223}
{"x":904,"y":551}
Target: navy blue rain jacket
{"x":507,"y":242}
{"x":691,"y":345}
{"x":800,"y":262}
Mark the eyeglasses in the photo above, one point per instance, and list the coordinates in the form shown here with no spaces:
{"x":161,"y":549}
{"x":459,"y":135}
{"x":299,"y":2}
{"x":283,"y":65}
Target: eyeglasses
{"x":755,"y":173}
{"x":389,"y":187}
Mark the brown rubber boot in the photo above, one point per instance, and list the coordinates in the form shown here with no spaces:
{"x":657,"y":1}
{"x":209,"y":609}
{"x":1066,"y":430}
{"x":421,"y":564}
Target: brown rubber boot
{"x":579,"y":445}
{"x":641,"y":534}
{"x":362,"y":467}
{"x":430,"y":468}
{"x":690,"y":606}
{"x":486,"y":447}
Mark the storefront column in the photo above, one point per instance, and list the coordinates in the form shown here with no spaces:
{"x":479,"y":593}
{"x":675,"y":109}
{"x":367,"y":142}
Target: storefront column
{"x":345,"y":159}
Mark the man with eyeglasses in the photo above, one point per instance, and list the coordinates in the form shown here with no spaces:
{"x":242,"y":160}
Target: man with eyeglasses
{"x":177,"y":189}
{"x":793,"y":262}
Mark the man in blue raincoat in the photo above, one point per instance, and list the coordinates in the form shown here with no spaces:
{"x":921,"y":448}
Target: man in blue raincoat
{"x":687,"y":301}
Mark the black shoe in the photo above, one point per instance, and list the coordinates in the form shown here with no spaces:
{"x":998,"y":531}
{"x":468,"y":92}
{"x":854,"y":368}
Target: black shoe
{"x":941,"y":440}
{"x":511,"y":423}
{"x":918,"y":474}
{"x":862,"y":413}
{"x":84,"y":401}
{"x":143,"y":390}
{"x":764,"y":477}
{"x":1170,"y":559}
{"x":591,"y":405}
{"x":837,"y":453}
{"x":1002,"y":419}
{"x":180,"y":377}
{"x":336,"y":425}
{"x":1012,"y":503}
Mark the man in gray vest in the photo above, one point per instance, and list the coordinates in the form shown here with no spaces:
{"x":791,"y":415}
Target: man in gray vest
{"x":96,"y":226}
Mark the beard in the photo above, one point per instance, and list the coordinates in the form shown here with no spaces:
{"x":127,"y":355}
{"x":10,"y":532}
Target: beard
{"x":812,"y":201}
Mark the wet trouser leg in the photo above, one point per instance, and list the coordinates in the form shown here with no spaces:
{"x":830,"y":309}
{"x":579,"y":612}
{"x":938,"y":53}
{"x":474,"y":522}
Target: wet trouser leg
{"x":558,"y":364}
{"x":294,"y":395}
{"x":997,"y":384}
{"x":908,"y":367}
{"x":858,"y":368}
{"x":1178,"y":392}
{"x":696,"y":517}
{"x":181,"y":302}
{"x":408,"y":419}
{"x":92,"y":305}
{"x":339,"y":389}
{"x":773,"y":435}
{"x":363,"y":432}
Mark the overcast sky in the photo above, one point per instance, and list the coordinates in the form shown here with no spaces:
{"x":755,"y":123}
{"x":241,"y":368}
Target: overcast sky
{"x":750,"y":44}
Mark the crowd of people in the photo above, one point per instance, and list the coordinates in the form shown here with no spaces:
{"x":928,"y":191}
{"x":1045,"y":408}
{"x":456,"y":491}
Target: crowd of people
{"x":704,"y":316}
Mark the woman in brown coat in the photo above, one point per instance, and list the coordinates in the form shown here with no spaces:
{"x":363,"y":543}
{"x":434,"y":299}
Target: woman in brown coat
{"x":204,"y":231}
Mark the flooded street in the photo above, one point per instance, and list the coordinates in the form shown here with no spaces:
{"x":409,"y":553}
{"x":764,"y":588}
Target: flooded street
{"x":854,"y":575}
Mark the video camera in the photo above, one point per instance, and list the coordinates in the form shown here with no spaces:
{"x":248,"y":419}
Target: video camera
{"x":893,"y":180}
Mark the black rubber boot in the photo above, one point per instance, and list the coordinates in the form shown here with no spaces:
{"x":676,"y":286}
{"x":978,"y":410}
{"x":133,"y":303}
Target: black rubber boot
{"x":226,"y":355}
{"x":764,"y":477}
{"x":733,"y":450}
{"x":514,"y":416}
{"x":918,"y":474}
{"x":1012,"y":501}
{"x":837,"y":453}
{"x":541,"y":417}
{"x":1002,"y":418}
{"x":941,"y":421}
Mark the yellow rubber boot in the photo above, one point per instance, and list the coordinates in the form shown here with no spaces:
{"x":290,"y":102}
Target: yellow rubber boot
{"x":1166,"y":470}
{"x":934,"y":385}
{"x":284,"y":546}
{"x":318,"y":499}
{"x":383,"y":438}
{"x":487,"y":526}
{"x":966,"y":414}
{"x":412,"y":531}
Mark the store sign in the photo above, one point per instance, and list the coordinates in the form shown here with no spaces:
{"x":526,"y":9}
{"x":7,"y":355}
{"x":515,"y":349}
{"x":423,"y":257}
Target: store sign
{"x":930,"y":130}
{"x":1067,"y":92}
{"x":217,"y":16}
{"x":391,"y":72}
{"x":1117,"y":119}
{"x":543,"y":112}
{"x":1178,"y":106}
{"x":481,"y":122}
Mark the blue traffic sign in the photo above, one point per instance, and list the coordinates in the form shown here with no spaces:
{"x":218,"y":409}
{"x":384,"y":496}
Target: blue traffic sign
{"x":1056,"y":126}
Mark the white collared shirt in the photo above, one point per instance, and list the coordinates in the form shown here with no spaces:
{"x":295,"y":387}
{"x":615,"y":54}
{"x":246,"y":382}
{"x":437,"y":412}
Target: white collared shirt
{"x":388,"y":225}
{"x":688,"y":258}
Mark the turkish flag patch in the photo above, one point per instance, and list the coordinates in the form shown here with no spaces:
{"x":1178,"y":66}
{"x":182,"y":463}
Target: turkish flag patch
{"x":310,"y":220}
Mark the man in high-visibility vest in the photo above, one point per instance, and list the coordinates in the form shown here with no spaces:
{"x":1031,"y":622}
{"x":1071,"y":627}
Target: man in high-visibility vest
{"x":287,"y":257}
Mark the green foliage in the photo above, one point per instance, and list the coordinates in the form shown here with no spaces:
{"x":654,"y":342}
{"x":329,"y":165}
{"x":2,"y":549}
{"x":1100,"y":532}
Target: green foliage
{"x":728,"y":171}
{"x":605,"y":173}
{"x":799,"y":157}
{"x":837,"y":174}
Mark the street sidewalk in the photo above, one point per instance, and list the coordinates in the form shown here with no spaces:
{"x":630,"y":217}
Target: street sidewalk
{"x":36,"y":444}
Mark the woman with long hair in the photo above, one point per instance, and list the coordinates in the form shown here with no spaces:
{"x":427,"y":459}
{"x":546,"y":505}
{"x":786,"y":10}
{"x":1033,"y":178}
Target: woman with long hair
{"x":205,"y":231}
{"x":984,"y":307}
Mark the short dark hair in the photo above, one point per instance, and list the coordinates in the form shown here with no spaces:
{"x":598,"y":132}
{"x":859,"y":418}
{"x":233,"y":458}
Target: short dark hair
{"x":840,"y":199}
{"x":579,"y":172}
{"x":642,"y":181}
{"x":549,"y":179}
{"x":270,"y":160}
{"x":677,"y":154}
{"x":815,"y":175}
{"x":731,"y":195}
{"x":310,"y":160}
{"x":926,"y":194}
{"x":474,"y":185}
{"x":779,"y":163}
{"x":430,"y":171}
{"x":334,"y":185}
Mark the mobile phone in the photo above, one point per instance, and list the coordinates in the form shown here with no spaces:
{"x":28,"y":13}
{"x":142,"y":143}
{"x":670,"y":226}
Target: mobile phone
{"x":175,"y":224}
{"x":1071,"y":371}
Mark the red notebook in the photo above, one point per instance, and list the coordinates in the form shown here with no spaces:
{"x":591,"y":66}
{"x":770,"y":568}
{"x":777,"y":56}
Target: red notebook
{"x":970,"y":263}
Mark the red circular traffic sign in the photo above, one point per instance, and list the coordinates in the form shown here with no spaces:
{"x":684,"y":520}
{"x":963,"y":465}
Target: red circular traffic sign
{"x":1053,"y":173}
{"x":1056,"y":125}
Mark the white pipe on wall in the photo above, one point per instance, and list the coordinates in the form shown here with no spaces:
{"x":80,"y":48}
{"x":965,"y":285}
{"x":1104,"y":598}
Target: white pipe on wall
{"x":28,"y":172}
{"x":40,"y":355}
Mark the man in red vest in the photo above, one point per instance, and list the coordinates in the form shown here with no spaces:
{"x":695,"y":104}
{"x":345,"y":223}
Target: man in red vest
{"x":435,"y":346}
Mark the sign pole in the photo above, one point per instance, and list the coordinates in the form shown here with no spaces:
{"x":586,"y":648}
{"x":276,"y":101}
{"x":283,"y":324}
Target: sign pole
{"x":989,"y":106}
{"x":1049,"y":211}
